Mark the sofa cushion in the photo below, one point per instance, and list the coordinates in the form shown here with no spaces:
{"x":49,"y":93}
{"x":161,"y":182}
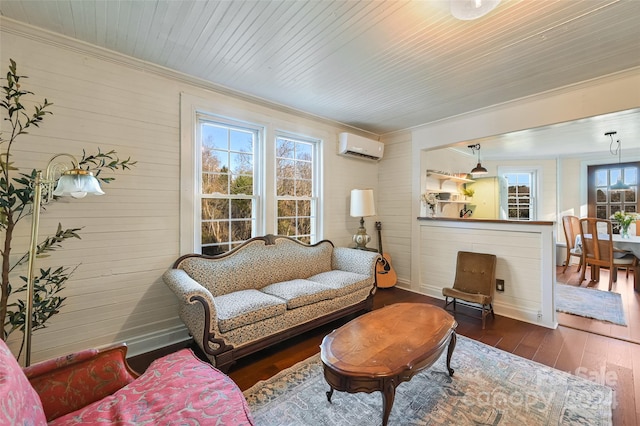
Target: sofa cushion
{"x":300,"y":292}
{"x":19,"y":403}
{"x":246,"y":307}
{"x":342,"y":282}
{"x":176,"y":389}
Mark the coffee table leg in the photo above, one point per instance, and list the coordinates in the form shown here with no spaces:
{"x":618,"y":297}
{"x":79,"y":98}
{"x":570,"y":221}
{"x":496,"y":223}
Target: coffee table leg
{"x":388,"y":396}
{"x":329,"y":394}
{"x":452,"y":346}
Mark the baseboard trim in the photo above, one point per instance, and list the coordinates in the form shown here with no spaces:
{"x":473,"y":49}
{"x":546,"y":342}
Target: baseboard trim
{"x":502,"y":309}
{"x":157,"y":340}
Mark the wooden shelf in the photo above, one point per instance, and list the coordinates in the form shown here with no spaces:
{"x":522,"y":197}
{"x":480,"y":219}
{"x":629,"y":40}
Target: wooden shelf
{"x":442,"y":177}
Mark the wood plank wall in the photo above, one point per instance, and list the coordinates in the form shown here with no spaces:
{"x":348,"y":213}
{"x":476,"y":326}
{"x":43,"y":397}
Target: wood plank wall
{"x":130,"y":236}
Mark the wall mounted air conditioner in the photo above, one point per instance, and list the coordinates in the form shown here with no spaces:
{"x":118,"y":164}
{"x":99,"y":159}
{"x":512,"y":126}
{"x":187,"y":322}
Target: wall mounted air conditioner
{"x":357,"y":146}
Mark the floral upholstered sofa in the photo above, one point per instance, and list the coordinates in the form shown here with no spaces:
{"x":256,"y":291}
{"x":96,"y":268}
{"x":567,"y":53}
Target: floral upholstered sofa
{"x":266,"y":290}
{"x":97,"y":387}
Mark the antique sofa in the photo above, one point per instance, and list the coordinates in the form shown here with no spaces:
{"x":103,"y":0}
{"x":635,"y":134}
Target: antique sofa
{"x":97,"y":386}
{"x":266,"y":290}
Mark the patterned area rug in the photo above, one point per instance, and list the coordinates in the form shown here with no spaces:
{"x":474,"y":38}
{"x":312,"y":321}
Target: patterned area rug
{"x":590,"y":303}
{"x":489,"y":387}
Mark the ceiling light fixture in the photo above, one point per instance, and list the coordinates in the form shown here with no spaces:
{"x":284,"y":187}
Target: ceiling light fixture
{"x":478,"y":169}
{"x":467,"y":10}
{"x":619,"y":185}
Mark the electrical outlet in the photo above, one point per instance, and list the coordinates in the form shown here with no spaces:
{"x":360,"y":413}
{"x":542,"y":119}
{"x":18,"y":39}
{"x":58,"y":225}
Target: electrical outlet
{"x":499,"y":285}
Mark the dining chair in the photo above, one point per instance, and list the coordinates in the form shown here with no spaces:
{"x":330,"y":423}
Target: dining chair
{"x":571,"y":225}
{"x":597,"y":246}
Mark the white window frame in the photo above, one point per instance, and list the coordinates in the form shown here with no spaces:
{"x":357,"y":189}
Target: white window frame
{"x":535,"y":206}
{"x":315,"y":196}
{"x":258,"y":170}
{"x":270,"y":121}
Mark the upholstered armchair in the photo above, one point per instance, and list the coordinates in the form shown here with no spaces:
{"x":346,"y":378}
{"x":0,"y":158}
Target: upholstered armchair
{"x":97,"y":386}
{"x":474,"y":282}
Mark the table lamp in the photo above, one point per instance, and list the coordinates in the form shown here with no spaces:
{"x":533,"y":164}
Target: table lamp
{"x":362,"y":206}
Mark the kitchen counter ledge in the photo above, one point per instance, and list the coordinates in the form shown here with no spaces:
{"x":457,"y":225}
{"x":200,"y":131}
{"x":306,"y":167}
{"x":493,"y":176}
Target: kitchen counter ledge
{"x":511,"y":222}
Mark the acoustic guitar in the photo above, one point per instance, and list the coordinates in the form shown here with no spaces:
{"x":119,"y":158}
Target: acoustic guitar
{"x":385,"y":274}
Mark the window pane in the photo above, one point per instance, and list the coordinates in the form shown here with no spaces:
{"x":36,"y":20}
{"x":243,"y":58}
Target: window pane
{"x":630,"y":175}
{"x":601,"y":178}
{"x":215,"y":209}
{"x":241,"y":141}
{"x":215,"y":231}
{"x":304,"y":208}
{"x":601,"y":196}
{"x":304,"y":151}
{"x":303,"y":188}
{"x":286,"y":226}
{"x":601,"y":212}
{"x":303,"y":170}
{"x":615,"y":196}
{"x":214,"y":136}
{"x":285,"y":148}
{"x":241,"y":209}
{"x":240,"y":230}
{"x":614,"y":175}
{"x":304,"y":226}
{"x":242,"y":185}
{"x":286,"y":208}
{"x":241,"y":163}
{"x":227,"y":159}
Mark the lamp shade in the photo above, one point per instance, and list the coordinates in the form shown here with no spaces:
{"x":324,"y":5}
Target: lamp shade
{"x":362,"y":204}
{"x":467,"y":10}
{"x":77,"y":183}
{"x":619,"y":186}
{"x":479,"y":170}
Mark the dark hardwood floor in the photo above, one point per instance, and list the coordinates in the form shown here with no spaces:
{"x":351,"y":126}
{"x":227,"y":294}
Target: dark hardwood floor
{"x":630,"y":302}
{"x":611,"y":361}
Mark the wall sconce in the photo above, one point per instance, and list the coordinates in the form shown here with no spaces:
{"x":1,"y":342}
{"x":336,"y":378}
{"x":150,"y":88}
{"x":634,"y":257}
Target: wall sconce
{"x":619,"y":185}
{"x":362,"y":206}
{"x":467,"y":10}
{"x":478,"y":169}
{"x":73,"y":182}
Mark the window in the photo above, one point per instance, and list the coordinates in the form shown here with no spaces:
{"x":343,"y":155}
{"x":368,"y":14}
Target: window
{"x":228,"y":193}
{"x":521,"y":194}
{"x":603,"y":202}
{"x":241,"y":177}
{"x":296,"y":199}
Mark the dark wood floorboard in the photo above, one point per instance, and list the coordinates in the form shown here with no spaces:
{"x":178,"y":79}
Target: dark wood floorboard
{"x":599,"y":358}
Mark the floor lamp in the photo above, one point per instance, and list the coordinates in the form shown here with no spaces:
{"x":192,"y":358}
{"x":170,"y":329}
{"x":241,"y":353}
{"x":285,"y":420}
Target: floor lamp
{"x":73,"y":182}
{"x":362,"y":205}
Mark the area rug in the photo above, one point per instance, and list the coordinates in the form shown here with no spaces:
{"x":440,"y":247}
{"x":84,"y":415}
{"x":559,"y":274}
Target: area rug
{"x":590,"y":303}
{"x":489,"y":387}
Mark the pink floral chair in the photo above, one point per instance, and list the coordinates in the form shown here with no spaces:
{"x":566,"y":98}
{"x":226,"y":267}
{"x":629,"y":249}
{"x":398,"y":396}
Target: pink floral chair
{"x":97,"y":386}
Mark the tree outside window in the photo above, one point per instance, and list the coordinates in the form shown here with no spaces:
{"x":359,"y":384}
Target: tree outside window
{"x":227,"y":186}
{"x":295,"y":188}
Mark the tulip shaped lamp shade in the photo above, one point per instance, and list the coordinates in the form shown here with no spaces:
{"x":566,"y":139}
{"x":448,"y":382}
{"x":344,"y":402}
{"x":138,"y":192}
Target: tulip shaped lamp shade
{"x":362,"y":205}
{"x":73,"y":182}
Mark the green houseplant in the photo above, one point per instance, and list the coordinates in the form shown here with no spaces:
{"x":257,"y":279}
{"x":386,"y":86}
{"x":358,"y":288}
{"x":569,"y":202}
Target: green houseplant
{"x":16,"y":200}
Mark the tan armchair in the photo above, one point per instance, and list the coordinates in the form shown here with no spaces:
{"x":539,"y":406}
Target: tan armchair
{"x":474,"y":282}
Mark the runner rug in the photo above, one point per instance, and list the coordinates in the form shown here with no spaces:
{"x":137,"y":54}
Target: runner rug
{"x":590,"y":303}
{"x":489,"y":387}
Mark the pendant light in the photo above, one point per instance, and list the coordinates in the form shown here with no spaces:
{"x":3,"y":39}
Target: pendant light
{"x":619,"y":185}
{"x":467,"y":10}
{"x":478,"y":169}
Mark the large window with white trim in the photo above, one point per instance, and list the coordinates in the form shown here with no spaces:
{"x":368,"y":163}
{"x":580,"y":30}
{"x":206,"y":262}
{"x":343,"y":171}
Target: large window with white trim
{"x":296,"y":187}
{"x":228,"y":194}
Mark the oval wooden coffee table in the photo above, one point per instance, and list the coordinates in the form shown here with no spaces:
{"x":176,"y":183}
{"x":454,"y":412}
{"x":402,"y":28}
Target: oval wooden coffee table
{"x":383,"y":348}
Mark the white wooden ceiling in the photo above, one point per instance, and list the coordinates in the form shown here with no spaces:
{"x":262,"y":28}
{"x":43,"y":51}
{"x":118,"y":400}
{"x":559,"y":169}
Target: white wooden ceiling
{"x":380,"y":66}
